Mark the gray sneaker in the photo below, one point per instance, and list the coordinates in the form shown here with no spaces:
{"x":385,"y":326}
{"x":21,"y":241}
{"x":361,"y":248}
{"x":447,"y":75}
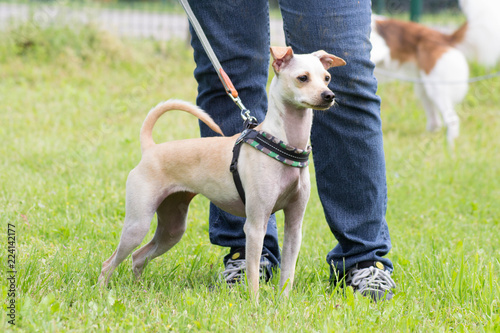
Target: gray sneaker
{"x":235,"y":266}
{"x":370,"y":278}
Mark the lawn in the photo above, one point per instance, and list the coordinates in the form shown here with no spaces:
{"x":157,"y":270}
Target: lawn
{"x":71,"y":106}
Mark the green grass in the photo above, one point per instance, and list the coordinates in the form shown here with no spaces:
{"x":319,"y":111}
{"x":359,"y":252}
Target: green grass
{"x":169,"y":6}
{"x":71,"y":108}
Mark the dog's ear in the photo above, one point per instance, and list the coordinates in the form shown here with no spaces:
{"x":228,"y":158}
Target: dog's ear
{"x":329,"y":60}
{"x":281,"y":56}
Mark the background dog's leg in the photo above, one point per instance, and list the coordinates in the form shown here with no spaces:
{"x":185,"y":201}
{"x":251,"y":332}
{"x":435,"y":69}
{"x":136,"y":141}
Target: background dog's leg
{"x":452,"y":122}
{"x":446,"y":85}
{"x":172,"y":214}
{"x":434,"y":122}
{"x":440,"y":96}
{"x":140,"y":207}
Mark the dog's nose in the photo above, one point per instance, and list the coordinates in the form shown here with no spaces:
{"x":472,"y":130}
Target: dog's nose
{"x":327,"y":96}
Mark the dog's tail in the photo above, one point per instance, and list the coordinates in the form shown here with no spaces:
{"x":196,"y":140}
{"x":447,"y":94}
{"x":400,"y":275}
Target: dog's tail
{"x":156,"y":112}
{"x":479,"y":38}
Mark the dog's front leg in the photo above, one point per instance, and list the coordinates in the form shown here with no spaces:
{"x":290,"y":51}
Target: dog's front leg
{"x":255,"y":231}
{"x":294,"y":215}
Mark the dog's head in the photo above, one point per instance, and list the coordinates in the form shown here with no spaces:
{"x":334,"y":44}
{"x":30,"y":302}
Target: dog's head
{"x":304,"y":78}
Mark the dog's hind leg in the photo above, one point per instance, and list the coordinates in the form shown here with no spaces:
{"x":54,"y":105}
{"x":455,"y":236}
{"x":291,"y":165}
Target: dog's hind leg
{"x":141,"y":203}
{"x":172,"y":215}
{"x":452,"y":122}
{"x":434,"y":122}
{"x":440,"y":96}
{"x":446,"y":85}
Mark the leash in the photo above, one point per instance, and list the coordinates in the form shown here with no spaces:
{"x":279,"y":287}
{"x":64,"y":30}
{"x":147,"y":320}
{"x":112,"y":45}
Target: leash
{"x":249,"y":121}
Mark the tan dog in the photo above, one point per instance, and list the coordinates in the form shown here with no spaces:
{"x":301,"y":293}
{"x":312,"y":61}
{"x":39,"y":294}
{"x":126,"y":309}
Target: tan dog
{"x":171,"y":174}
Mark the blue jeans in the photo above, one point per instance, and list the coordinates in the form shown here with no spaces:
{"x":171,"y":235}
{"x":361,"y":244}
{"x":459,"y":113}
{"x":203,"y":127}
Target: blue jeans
{"x":347,"y":139}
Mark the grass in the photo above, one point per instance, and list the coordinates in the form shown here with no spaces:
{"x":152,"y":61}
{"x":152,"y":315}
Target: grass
{"x":170,"y":6}
{"x":71,"y":108}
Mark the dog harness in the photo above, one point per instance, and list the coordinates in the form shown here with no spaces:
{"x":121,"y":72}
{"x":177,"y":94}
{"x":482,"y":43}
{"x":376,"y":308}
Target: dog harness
{"x":272,"y":147}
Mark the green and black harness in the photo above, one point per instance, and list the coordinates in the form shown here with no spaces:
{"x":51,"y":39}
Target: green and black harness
{"x":269,"y":145}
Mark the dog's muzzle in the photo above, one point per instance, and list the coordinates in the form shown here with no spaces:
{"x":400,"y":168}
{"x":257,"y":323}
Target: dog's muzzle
{"x":327,"y":96}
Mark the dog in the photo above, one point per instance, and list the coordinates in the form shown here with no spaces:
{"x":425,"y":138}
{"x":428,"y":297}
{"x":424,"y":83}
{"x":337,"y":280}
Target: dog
{"x":439,"y":60}
{"x":170,"y":174}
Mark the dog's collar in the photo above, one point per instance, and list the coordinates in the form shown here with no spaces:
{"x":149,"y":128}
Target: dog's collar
{"x":275,"y":148}
{"x":272,"y":147}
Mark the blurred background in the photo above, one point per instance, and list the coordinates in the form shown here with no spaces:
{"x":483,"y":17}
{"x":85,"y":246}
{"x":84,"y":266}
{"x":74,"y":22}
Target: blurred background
{"x":165,"y":19}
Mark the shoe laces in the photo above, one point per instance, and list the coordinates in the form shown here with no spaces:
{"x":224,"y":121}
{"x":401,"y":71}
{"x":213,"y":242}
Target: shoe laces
{"x":236,"y":267}
{"x":370,"y":279}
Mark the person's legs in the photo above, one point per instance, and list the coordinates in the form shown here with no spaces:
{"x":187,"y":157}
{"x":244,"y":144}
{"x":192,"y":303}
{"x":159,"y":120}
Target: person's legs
{"x":239,"y":34}
{"x":347,"y":139}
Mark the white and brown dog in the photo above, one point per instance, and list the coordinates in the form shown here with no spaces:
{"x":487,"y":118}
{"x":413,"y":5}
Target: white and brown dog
{"x":439,"y":60}
{"x":170,"y":174}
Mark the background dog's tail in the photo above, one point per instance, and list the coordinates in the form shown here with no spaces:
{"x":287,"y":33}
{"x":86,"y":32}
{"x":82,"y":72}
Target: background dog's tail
{"x":481,"y":39}
{"x":156,"y":112}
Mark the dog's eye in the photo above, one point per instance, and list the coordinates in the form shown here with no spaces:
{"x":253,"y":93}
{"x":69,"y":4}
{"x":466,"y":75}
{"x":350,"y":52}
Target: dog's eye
{"x":327,"y":78}
{"x":302,"y":78}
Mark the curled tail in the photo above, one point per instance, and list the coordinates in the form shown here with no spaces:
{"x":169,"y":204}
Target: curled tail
{"x":157,"y":111}
{"x":481,"y":41}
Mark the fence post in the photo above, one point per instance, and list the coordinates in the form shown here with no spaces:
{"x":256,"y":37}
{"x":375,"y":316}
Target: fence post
{"x":415,"y":10}
{"x":378,"y":6}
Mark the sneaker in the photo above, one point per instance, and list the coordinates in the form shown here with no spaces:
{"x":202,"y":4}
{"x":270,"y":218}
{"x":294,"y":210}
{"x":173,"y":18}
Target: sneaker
{"x":370,"y":278}
{"x":235,"y":266}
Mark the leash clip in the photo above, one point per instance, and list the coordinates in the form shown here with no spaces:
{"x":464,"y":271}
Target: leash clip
{"x":249,"y":120}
